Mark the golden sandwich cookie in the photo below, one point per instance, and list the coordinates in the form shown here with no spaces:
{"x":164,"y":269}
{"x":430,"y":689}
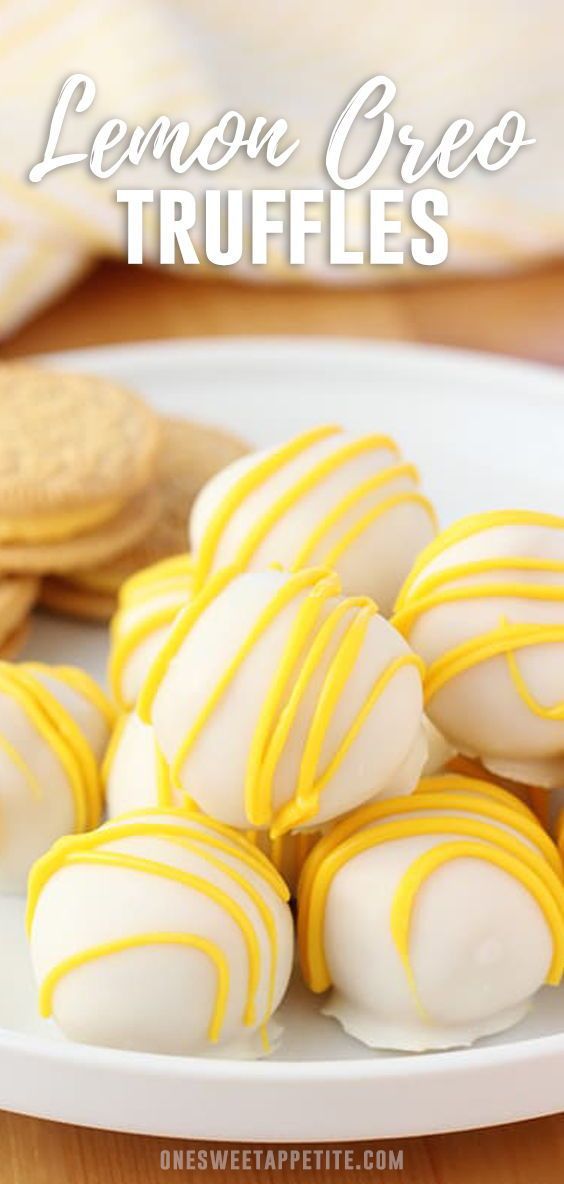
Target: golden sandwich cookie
{"x":77,"y":455}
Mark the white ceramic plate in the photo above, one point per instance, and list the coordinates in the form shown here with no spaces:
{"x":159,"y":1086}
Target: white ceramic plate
{"x":486,"y":433}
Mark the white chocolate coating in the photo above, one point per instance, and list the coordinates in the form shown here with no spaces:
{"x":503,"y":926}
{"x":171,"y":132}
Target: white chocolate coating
{"x":214,"y":769}
{"x":156,"y":995}
{"x":131,"y":776}
{"x":484,"y":607}
{"x":49,"y":782}
{"x":394,"y":521}
{"x":478,"y":944}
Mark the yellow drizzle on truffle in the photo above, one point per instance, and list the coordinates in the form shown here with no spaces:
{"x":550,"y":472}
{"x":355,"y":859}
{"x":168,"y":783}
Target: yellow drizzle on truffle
{"x":307,"y":644}
{"x":478,"y":824}
{"x":168,"y":826}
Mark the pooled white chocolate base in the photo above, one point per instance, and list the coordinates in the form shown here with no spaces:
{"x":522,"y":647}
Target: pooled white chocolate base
{"x":415,"y":1035}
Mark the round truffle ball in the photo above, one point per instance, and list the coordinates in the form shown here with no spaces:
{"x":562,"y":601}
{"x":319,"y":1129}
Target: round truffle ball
{"x":161,"y":932}
{"x":327,"y":497}
{"x":434,"y":919}
{"x":484,"y":606}
{"x":278,"y":704}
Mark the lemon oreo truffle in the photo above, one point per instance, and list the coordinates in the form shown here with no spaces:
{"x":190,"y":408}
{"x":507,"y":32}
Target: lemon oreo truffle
{"x":77,"y":454}
{"x":434,"y":919}
{"x":163,"y":932}
{"x":54,"y":725}
{"x":278,"y":704}
{"x":327,"y":497}
{"x":484,"y":606}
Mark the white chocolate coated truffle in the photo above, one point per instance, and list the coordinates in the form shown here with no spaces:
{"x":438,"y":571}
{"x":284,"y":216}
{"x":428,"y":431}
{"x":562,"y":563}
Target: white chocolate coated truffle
{"x":148,"y":603}
{"x":54,"y":725}
{"x":162,"y":932}
{"x":278,"y":704}
{"x":434,"y":919}
{"x":484,"y":606}
{"x":327,"y":498}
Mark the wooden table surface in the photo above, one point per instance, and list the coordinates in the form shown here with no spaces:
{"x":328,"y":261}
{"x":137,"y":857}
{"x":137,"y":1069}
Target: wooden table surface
{"x":521,"y":315}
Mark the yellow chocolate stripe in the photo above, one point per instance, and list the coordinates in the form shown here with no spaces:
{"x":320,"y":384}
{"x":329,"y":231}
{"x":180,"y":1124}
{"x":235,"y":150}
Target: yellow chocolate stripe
{"x":258,"y":782}
{"x":423,"y":867}
{"x":443,"y":792}
{"x":477,"y":567}
{"x":554,"y":712}
{"x":111,"y":750}
{"x":276,"y":718}
{"x":502,"y":640}
{"x":301,"y":582}
{"x":305,"y":801}
{"x":80,"y":681}
{"x":251,"y":480}
{"x":528,"y":828}
{"x":133,"y":825}
{"x":22,"y":766}
{"x":380,"y":686}
{"x":197,"y":884}
{"x":367,"y":520}
{"x":79,"y":759}
{"x":465,"y":529}
{"x":177,"y":635}
{"x":349,"y":502}
{"x":305,"y":484}
{"x":529,"y":868}
{"x":459,"y":783}
{"x":125,"y":644}
{"x":138,"y":941}
{"x":86,"y":849}
{"x":196,"y":843}
{"x":281,"y":721}
{"x":404,"y":620}
{"x":247,"y":848}
{"x":174,"y":574}
{"x":17,"y":688}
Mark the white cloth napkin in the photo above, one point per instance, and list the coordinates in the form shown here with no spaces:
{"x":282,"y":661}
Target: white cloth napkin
{"x":195,"y":60}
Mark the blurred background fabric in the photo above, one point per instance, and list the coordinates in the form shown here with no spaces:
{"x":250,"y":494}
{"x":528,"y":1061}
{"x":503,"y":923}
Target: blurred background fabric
{"x":195,"y":60}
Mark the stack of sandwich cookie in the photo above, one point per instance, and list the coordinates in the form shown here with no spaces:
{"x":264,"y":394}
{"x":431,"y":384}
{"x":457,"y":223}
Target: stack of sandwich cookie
{"x":77,"y":457}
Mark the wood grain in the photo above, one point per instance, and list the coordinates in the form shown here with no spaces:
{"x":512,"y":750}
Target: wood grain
{"x":33,"y":1152}
{"x":521,"y":315}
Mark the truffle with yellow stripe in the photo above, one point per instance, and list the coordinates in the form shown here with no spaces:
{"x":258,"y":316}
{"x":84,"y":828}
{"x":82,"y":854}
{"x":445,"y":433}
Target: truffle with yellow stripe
{"x":278,"y":704}
{"x":148,"y":603}
{"x":484,"y":606}
{"x":54,"y":726}
{"x":434,"y":919}
{"x":327,"y":497}
{"x":161,"y":931}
